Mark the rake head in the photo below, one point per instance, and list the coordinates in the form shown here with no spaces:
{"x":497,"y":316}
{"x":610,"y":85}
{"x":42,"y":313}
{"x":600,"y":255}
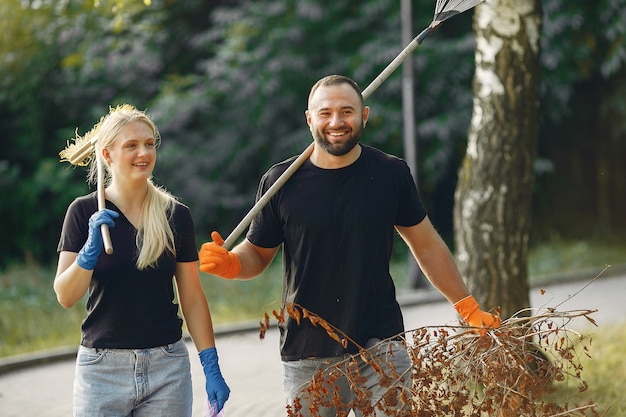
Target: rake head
{"x":445,"y":9}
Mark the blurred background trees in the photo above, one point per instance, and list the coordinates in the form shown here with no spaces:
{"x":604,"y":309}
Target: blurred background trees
{"x":227,"y":83}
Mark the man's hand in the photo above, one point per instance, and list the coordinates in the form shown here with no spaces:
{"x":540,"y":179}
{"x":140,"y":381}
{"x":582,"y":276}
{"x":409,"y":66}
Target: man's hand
{"x":216,"y":260}
{"x":470,"y":311}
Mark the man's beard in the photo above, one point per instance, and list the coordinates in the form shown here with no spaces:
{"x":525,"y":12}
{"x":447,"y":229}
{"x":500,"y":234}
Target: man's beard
{"x":338,"y":149}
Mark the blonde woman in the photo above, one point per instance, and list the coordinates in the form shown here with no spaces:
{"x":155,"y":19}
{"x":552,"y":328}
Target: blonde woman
{"x":132,"y":359}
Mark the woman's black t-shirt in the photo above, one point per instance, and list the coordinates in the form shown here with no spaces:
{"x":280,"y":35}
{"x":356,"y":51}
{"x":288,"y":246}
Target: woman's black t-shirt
{"x":128,"y":308}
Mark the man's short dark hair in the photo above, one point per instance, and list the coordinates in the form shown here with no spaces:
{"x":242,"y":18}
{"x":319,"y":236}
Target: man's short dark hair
{"x":336,"y":80}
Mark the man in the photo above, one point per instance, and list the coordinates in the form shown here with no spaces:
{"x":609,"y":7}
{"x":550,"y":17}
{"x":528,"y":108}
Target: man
{"x":336,"y":218}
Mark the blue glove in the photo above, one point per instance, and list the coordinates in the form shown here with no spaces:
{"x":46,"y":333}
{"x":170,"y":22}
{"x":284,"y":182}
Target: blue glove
{"x":88,"y":255}
{"x":216,"y":387}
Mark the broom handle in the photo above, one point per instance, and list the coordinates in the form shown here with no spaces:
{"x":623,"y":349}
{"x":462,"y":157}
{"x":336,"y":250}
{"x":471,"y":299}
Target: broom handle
{"x":106,"y":236}
{"x":393,"y":65}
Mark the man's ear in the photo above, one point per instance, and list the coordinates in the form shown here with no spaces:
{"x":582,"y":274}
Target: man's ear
{"x":365,"y":115}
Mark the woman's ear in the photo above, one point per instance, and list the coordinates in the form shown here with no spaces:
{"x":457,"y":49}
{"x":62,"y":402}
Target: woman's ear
{"x":106,"y":155}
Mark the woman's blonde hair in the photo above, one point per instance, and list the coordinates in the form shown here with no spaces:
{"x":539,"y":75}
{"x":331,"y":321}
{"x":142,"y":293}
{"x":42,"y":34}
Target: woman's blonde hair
{"x":154,"y":233}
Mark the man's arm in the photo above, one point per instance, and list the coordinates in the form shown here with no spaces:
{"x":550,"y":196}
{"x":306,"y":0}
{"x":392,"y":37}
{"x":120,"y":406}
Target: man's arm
{"x":434,"y":258}
{"x":254,"y":259}
{"x":437,"y":263}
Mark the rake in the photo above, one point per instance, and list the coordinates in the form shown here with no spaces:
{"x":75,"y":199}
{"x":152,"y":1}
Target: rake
{"x":444,"y":9}
{"x":80,"y":153}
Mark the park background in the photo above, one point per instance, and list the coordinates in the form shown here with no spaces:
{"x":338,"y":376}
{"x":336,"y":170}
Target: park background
{"x":226,"y":83}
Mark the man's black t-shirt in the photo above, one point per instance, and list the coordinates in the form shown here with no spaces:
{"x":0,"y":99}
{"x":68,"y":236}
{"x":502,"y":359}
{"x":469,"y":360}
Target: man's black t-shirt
{"x":337,"y":231}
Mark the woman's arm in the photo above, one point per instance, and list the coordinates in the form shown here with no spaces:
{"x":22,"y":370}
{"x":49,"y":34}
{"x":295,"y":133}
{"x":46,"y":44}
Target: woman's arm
{"x":196,"y":312}
{"x":71,"y":281}
{"x":194,"y":305}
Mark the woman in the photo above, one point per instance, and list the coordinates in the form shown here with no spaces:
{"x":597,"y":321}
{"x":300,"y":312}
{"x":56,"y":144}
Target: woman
{"x":132,"y":359}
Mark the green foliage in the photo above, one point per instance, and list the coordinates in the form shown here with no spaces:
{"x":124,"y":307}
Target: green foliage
{"x":266,"y":61}
{"x":227,"y":84}
{"x":232,"y":301}
{"x":243,"y":110}
{"x":580,"y":40}
{"x":580,"y":173}
{"x":62,"y":65}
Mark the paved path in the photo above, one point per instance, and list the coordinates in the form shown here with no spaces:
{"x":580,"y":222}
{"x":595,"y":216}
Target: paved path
{"x":252,"y":367}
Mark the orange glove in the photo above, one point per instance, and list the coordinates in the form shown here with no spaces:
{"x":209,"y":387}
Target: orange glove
{"x":216,"y":260}
{"x":472,"y":314}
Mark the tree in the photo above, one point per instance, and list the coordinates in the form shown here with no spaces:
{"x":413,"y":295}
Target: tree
{"x":492,"y":213}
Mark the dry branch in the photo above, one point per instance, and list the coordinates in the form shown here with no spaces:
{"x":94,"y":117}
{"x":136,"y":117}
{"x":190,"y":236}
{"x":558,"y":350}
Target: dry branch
{"x":509,"y":371}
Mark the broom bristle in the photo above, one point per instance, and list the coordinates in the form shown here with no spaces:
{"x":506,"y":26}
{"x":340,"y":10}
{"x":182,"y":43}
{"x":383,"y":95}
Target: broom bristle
{"x":79,"y":151}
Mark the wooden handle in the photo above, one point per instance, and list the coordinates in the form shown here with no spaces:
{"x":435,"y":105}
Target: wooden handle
{"x":106,"y":236}
{"x":245,"y":222}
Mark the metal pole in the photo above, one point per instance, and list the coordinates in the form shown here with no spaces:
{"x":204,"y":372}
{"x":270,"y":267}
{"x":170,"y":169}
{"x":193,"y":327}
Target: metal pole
{"x":409,"y":137}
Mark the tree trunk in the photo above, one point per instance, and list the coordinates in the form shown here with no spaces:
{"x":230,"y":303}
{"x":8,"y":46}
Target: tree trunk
{"x":492,"y":212}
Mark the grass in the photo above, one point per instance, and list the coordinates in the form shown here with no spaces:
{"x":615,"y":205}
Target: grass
{"x":31,"y":318}
{"x":583,"y":258}
{"x":604,"y":371}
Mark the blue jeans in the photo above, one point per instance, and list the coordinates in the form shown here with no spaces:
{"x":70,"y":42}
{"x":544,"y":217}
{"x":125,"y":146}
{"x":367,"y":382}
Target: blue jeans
{"x":297,"y":377}
{"x":152,"y":382}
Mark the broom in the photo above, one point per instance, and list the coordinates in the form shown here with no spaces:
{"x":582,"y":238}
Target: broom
{"x":444,"y":9}
{"x":80,"y":153}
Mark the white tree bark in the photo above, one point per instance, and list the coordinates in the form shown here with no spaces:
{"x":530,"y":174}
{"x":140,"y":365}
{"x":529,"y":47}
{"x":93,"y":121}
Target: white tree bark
{"x":492,"y":211}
